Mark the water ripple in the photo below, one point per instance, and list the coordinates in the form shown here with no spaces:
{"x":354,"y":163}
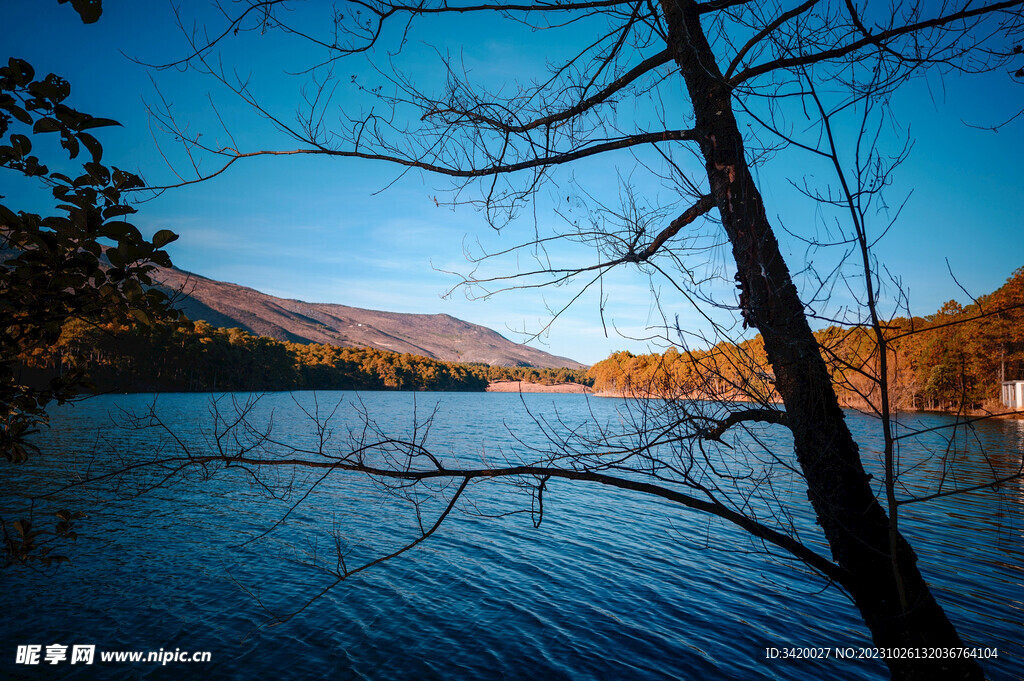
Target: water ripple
{"x":611,"y":586}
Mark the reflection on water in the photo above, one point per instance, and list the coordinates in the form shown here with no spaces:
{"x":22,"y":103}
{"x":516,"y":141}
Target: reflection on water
{"x":611,"y":586}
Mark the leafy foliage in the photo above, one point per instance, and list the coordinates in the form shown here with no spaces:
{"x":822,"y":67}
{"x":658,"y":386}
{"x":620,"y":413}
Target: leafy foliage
{"x":84,"y":262}
{"x":198,"y":357}
{"x":88,"y":10}
{"x":23,"y":543}
{"x":954,"y":359}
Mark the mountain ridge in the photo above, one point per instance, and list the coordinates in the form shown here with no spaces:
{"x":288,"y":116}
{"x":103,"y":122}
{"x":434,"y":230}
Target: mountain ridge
{"x":438,"y":336}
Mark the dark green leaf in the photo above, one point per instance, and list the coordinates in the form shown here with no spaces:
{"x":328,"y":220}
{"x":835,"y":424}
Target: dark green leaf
{"x":69,"y":143}
{"x":125,"y":180}
{"x":97,"y":123}
{"x":33,"y":168}
{"x":92,"y":144}
{"x":161,"y":258}
{"x":57,"y":223}
{"x":117,"y":211}
{"x":122,"y":231}
{"x":142,"y":316}
{"x":53,"y":88}
{"x":97,"y":171}
{"x":164,"y":237}
{"x":117,"y":261}
{"x":133,"y":292}
{"x":88,"y":10}
{"x":7,"y":217}
{"x":21,"y":70}
{"x":17,"y":112}
{"x":22,"y":145}
{"x":46,"y":125}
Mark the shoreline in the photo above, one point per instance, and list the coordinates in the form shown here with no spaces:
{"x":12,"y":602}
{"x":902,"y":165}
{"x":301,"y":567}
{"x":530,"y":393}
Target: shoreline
{"x":558,"y":388}
{"x":524,"y":387}
{"x":972,"y":414}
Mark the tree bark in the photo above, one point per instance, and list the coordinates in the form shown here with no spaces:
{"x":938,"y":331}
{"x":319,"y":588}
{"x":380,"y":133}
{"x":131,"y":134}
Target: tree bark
{"x":895,"y":602}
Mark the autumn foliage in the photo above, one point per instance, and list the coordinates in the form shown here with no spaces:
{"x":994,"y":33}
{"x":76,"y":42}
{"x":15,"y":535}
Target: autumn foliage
{"x":954,"y":359}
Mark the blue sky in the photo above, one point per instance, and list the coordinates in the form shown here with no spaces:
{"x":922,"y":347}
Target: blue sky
{"x":320,"y":229}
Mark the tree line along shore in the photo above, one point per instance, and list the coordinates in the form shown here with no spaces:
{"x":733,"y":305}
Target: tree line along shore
{"x":952,"y":360}
{"x":198,"y":357}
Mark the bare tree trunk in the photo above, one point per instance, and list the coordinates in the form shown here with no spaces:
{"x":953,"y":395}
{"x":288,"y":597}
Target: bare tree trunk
{"x":896,"y":604}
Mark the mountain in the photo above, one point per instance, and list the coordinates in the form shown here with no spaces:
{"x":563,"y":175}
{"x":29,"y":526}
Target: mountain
{"x":439,"y":336}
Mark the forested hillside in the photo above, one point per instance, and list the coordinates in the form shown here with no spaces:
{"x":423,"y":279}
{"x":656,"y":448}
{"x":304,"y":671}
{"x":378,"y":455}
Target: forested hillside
{"x":197,"y":357}
{"x":437,"y":336}
{"x":953,"y":359}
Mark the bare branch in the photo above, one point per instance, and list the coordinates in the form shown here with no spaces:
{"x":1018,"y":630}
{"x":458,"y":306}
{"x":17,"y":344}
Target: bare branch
{"x":875,"y":40}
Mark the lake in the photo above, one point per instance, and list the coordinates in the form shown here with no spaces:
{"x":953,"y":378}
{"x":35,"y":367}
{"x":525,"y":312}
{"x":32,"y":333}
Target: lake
{"x":611,"y":585}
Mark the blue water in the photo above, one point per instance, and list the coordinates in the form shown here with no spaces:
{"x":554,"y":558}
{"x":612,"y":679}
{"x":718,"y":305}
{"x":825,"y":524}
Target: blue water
{"x":612,"y":585}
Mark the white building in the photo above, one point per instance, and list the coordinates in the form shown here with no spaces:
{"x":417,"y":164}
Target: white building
{"x":1013,"y":395}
